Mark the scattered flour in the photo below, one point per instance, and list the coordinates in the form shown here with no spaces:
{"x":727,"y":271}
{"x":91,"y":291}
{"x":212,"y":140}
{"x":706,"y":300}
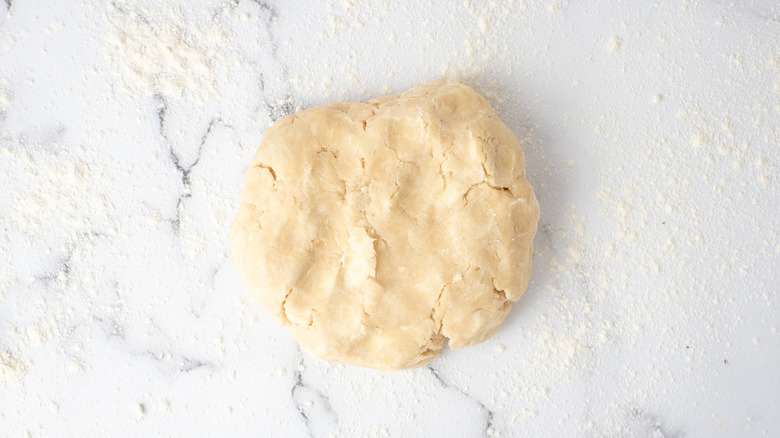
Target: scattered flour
{"x":629,"y":269}
{"x":11,"y":368}
{"x":613,"y":44}
{"x":700,"y":140}
{"x":7,"y":278}
{"x":164,"y":50}
{"x":5,"y":100}
{"x":53,"y":190}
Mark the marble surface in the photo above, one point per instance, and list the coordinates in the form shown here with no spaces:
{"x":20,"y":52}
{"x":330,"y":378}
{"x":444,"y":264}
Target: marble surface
{"x":652,"y":138}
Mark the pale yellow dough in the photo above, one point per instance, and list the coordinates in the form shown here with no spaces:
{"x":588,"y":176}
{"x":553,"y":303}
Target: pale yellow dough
{"x":375,"y":230}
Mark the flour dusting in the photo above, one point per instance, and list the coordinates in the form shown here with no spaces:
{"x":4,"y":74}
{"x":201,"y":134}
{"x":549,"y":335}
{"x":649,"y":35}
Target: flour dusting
{"x":164,"y":50}
{"x":650,"y":136}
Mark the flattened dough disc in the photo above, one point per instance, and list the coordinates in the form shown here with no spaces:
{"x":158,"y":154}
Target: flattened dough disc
{"x":374,"y":231}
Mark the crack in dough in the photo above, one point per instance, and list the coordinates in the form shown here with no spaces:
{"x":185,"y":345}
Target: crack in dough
{"x":375,"y":231}
{"x":268,"y":168}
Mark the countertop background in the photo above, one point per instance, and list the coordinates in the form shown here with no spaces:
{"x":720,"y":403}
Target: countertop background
{"x":652,"y":138}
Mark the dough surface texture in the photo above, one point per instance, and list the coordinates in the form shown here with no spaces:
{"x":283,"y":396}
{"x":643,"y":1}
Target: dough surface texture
{"x":374,"y":231}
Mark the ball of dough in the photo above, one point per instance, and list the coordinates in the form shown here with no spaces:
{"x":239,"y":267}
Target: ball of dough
{"x":374,"y":231}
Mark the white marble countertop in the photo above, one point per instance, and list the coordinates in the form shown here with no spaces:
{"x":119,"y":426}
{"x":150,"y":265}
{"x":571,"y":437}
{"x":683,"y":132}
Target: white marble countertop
{"x":652,"y":138}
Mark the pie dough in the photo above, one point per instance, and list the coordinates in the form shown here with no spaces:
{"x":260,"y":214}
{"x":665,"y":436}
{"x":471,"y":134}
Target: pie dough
{"x":374,"y":231}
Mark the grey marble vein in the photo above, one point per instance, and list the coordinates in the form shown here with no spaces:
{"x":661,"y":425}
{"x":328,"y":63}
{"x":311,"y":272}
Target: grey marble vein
{"x":489,"y":414}
{"x":174,"y":363}
{"x":189,"y":364}
{"x":63,"y":265}
{"x":313,"y":405}
{"x":271,"y":18}
{"x":167,"y":360}
{"x":648,"y":425}
{"x":161,"y":109}
{"x":278,"y":108}
{"x":165,"y":357}
{"x":50,"y":276}
{"x":111,"y":327}
{"x":184,"y":171}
